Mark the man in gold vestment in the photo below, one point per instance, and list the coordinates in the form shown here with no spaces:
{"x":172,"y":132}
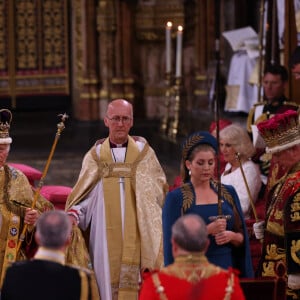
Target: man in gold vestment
{"x":16,"y":196}
{"x":118,"y":197}
{"x":47,"y":276}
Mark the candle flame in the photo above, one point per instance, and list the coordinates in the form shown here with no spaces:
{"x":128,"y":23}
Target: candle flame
{"x":180,"y":28}
{"x":169,"y":24}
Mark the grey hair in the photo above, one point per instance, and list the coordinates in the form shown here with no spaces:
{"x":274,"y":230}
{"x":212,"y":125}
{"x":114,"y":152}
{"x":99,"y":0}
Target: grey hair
{"x":189,"y":233}
{"x":53,"y":228}
{"x":239,"y":138}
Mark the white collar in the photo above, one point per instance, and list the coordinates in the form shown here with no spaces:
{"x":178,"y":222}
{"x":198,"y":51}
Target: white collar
{"x":50,"y":254}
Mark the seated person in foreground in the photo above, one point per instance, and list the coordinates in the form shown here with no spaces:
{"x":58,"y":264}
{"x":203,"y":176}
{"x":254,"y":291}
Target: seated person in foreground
{"x":176,"y":281}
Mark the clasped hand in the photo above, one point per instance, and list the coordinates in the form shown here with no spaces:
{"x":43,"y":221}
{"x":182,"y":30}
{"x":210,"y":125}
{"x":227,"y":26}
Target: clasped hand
{"x":31,"y":216}
{"x":218,"y":230}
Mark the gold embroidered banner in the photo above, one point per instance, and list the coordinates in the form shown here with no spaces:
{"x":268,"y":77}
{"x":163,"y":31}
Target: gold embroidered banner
{"x":34,"y":50}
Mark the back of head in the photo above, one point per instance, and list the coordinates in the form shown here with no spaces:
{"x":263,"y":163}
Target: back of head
{"x":189,"y":233}
{"x":53,"y":229}
{"x":239,"y":138}
{"x":277,"y":69}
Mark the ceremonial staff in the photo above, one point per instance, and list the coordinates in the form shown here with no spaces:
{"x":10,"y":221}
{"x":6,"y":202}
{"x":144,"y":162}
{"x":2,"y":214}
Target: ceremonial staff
{"x":247,"y":187}
{"x":60,"y":128}
{"x":217,"y":97}
{"x":216,"y":100}
{"x":261,"y":48}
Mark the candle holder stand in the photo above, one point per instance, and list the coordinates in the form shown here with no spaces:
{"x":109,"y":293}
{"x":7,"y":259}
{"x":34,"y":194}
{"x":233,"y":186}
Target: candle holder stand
{"x":174,"y":125}
{"x":168,"y":95}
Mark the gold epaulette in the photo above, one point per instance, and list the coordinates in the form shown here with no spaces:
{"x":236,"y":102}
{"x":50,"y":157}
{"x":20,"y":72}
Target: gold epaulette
{"x":291,"y":103}
{"x":250,"y":118}
{"x":89,"y":289}
{"x":260,"y":103}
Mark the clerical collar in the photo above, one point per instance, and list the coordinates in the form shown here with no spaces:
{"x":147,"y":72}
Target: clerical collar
{"x":113,"y":145}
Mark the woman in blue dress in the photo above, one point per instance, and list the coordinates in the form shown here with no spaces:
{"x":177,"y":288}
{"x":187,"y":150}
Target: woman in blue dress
{"x":229,"y":244}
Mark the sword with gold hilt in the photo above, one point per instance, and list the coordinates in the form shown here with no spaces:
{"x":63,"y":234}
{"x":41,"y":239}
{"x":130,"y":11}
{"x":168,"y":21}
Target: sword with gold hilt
{"x":60,"y":128}
{"x":217,"y":110}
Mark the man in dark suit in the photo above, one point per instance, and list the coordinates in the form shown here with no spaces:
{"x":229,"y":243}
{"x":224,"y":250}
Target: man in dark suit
{"x":46,"y":276}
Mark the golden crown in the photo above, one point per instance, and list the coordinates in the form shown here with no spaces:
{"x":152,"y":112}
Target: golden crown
{"x":5,"y":120}
{"x":281,"y":131}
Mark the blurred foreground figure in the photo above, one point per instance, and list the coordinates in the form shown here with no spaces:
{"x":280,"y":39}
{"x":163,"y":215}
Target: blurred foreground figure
{"x":191,"y":275}
{"x":46,"y":276}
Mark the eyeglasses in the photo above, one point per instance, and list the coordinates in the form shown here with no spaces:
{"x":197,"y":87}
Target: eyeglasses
{"x":116,"y":119}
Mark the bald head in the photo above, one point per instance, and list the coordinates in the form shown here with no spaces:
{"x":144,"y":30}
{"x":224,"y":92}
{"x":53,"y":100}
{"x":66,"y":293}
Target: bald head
{"x":119,"y":120}
{"x":118,"y":105}
{"x":190,"y":234}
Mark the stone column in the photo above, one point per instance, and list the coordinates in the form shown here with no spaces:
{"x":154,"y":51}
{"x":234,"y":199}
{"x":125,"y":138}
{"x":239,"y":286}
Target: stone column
{"x":84,"y":66}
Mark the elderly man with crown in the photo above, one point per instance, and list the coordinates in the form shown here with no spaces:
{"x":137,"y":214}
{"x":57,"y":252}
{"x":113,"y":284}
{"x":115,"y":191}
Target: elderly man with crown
{"x":16,"y":196}
{"x":281,"y":228}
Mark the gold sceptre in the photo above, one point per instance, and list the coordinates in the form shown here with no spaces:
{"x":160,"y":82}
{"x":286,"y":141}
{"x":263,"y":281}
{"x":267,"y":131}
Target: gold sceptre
{"x":60,"y":128}
{"x":247,"y":187}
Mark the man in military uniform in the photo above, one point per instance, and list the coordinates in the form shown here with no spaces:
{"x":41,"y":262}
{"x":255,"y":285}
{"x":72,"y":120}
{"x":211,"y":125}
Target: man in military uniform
{"x":46,"y":276}
{"x":280,"y":230}
{"x":274,"y":83}
{"x":181,"y":279}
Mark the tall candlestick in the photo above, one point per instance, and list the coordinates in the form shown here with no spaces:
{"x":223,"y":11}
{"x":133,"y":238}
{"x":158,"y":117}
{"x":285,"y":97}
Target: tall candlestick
{"x":168,"y":47}
{"x":179,"y":51}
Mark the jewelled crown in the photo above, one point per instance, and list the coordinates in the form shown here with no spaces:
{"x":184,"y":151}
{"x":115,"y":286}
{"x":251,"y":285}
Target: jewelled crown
{"x":5,"y":120}
{"x":281,"y":131}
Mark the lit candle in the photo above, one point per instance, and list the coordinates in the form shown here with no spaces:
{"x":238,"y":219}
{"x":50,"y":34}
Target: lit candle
{"x":179,"y":51}
{"x":168,"y":47}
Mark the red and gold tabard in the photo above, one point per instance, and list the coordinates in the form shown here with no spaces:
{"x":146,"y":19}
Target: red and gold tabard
{"x":281,"y":247}
{"x":191,"y":277}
